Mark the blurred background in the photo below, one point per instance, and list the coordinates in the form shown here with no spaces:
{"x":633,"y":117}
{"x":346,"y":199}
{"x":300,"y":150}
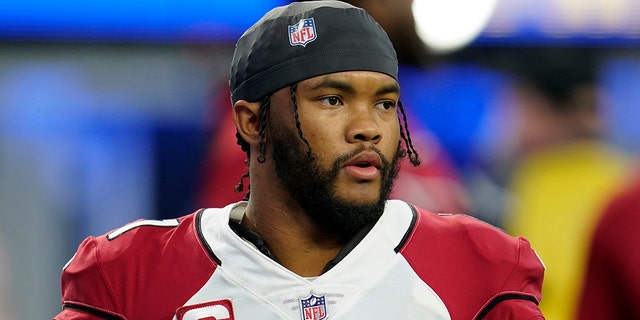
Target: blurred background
{"x":525,"y":114}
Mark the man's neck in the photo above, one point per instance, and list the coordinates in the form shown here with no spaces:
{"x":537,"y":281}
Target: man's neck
{"x":293,"y":239}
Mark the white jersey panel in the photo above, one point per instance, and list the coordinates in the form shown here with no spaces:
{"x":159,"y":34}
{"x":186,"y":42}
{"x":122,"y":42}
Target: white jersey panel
{"x":400,"y":294}
{"x":371,"y":282}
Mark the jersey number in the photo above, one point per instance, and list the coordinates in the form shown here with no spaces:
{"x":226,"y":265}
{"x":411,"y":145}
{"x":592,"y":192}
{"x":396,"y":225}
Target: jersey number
{"x":156,"y":223}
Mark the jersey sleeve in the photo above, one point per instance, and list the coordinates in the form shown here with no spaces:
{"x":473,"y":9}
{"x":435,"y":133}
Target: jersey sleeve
{"x":86,"y":293}
{"x":528,"y":272}
{"x":522,"y":292}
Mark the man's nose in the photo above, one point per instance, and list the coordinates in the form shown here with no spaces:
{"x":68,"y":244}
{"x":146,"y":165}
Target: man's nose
{"x":363,"y":127}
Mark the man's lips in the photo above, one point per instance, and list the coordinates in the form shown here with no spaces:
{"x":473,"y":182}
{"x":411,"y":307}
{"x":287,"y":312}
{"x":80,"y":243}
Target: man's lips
{"x":364,"y":166}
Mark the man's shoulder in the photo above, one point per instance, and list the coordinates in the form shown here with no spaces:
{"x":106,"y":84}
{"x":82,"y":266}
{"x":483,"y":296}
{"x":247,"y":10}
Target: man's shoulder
{"x":145,"y":235}
{"x":463,"y":238}
{"x":454,"y":252}
{"x":107,"y":271}
{"x":141,"y":242}
{"x":424,"y":229}
{"x":459,"y":227}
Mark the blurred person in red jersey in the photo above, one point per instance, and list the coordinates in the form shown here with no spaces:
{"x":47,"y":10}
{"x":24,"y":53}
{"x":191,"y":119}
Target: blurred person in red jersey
{"x":612,"y":282}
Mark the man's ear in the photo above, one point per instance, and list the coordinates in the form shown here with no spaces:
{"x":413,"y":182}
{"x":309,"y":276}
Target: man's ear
{"x":247,"y":118}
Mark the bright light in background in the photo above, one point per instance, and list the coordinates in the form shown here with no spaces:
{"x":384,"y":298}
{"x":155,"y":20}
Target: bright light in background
{"x":610,"y":22}
{"x":448,"y":25}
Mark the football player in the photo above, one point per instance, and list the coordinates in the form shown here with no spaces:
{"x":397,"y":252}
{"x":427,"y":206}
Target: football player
{"x":316,"y":104}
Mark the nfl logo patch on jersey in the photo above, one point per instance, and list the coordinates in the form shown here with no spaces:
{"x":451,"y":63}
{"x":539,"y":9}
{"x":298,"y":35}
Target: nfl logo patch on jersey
{"x":302,"y":32}
{"x":313,"y":307}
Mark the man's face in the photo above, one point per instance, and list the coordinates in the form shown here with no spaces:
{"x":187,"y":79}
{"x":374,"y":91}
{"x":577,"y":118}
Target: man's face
{"x":351,"y":124}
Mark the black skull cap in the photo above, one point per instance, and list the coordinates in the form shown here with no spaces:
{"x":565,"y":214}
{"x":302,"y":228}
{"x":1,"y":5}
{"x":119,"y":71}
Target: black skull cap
{"x":307,"y":39}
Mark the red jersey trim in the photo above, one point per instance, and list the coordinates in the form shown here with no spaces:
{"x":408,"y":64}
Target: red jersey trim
{"x":101,"y":313}
{"x":202,"y":240}
{"x":409,"y":232}
{"x":501,"y":298}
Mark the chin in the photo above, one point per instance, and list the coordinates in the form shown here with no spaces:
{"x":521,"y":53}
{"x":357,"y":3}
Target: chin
{"x":360,"y":196}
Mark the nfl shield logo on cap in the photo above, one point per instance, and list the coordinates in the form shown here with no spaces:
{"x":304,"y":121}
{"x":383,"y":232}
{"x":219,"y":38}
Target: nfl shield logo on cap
{"x":313,"y":307}
{"x":302,"y":32}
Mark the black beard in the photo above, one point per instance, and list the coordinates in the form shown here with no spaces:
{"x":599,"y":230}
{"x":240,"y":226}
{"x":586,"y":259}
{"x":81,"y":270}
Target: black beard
{"x":314,"y":189}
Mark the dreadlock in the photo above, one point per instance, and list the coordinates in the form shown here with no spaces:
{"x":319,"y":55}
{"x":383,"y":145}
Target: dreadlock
{"x":292,"y":93}
{"x":406,"y":137}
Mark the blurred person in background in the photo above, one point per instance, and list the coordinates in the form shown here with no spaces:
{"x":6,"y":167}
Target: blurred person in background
{"x":564,"y":170}
{"x":612,"y":282}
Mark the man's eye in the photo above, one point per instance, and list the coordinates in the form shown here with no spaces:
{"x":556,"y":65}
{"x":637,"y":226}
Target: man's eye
{"x":332,"y":101}
{"x":386,"y":105}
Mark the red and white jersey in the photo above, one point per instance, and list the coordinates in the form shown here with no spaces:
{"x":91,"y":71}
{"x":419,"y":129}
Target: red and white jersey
{"x":413,"y":264}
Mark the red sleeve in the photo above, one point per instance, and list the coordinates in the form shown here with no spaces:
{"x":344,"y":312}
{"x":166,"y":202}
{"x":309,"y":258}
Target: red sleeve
{"x":144,"y":270}
{"x":528,"y":272}
{"x":519,"y":297}
{"x":86,"y":293}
